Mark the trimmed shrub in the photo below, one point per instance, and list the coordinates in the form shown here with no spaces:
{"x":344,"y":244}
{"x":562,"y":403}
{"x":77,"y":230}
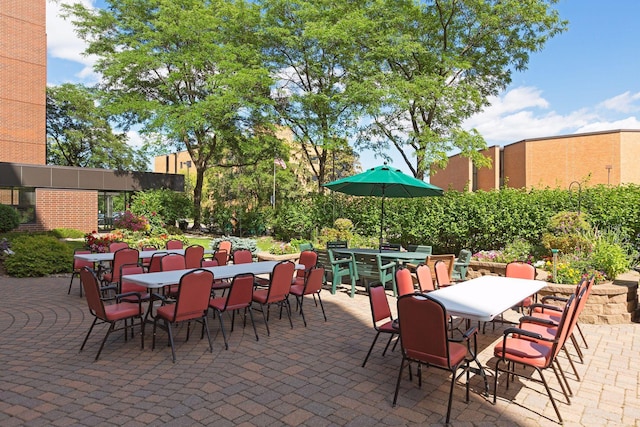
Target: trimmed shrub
{"x":37,"y":256}
{"x":67,"y":233}
{"x":9,"y":218}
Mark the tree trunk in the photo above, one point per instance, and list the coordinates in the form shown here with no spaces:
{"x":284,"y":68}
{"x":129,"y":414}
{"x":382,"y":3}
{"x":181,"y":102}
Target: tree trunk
{"x":197,"y":198}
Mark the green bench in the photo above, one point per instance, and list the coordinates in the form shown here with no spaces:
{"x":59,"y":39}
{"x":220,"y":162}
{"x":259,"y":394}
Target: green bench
{"x":338,"y":268}
{"x":371,"y":267}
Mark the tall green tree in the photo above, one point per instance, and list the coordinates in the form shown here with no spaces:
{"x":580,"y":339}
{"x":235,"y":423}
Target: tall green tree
{"x":79,"y":132}
{"x":428,"y":65}
{"x":187,"y":70}
{"x":310,"y":49}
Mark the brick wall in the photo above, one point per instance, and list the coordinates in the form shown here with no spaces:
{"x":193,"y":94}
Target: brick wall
{"x":65,"y":209}
{"x":23,"y":69}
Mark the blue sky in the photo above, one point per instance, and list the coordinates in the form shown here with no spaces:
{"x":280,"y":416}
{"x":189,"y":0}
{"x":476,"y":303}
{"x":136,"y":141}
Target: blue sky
{"x":585,"y":79}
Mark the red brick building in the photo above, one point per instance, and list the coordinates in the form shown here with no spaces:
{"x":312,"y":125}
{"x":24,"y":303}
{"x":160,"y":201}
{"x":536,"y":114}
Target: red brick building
{"x":608,"y":157}
{"x":46,"y":197}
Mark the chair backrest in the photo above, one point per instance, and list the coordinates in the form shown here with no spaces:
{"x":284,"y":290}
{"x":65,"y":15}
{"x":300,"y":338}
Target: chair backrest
{"x":313,"y":281}
{"x":385,"y":246}
{"x":520,"y":270}
{"x":427,"y":344}
{"x":305,"y":247}
{"x":309,"y":259}
{"x":174,"y":244}
{"x":404,"y":281}
{"x":280,"y":282}
{"x":208,"y":262}
{"x":442,"y":273}
{"x":222,"y":256}
{"x":155,"y":262}
{"x":425,"y":249}
{"x":115,"y":246}
{"x":380,"y":310}
{"x":225,"y":245}
{"x":337,"y":244}
{"x":192,"y":256}
{"x":126,"y":286}
{"x":171,"y":262}
{"x":461,"y":265}
{"x":563,"y":328}
{"x":121,"y":257}
{"x":242,"y":256}
{"x":91,"y":288}
{"x":79,"y":263}
{"x":240,"y":291}
{"x":194,"y":291}
{"x":425,"y":279}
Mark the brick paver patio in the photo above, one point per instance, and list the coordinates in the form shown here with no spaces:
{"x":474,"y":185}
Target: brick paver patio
{"x":301,"y":376}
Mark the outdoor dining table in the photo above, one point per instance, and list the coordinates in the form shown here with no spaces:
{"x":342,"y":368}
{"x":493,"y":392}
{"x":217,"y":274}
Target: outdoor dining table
{"x":108,"y":256}
{"x":398,"y":256}
{"x":164,"y":278}
{"x":485,"y":297}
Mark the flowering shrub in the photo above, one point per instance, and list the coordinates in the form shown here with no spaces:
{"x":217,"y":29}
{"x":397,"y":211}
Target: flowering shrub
{"x":282,"y":249}
{"x":132,"y":222}
{"x":159,"y":241}
{"x":572,"y":273}
{"x":100,"y":243}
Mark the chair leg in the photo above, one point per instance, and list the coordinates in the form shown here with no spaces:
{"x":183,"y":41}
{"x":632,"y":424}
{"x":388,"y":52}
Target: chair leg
{"x":386,"y":347}
{"x":95,"y":320}
{"x":395,"y":395}
{"x":173,"y":350}
{"x":322,"y":307}
{"x":371,"y":348}
{"x":224,"y":335}
{"x":299,"y":302}
{"x":252,"y":322}
{"x":264,"y":316}
{"x":206,"y":328}
{"x":288,"y":309}
{"x":582,"y":336}
{"x":104,"y":340}
{"x":453,"y":381}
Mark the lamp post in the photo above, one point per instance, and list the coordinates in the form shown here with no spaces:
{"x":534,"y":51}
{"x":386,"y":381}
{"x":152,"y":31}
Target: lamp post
{"x":579,"y":192}
{"x":608,"y":168}
{"x":188,"y":166}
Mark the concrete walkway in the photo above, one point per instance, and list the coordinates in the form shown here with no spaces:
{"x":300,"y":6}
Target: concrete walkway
{"x":301,"y":376}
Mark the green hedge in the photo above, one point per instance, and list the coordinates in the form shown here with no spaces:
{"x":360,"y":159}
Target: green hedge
{"x":478,"y":221}
{"x":38,"y":255}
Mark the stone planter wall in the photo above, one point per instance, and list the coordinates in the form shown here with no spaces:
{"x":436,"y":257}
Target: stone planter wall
{"x":609,"y":303}
{"x":266,"y":256}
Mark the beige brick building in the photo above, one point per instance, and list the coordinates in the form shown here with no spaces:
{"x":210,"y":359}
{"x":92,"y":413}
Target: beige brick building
{"x":608,"y":157}
{"x":46,"y":197}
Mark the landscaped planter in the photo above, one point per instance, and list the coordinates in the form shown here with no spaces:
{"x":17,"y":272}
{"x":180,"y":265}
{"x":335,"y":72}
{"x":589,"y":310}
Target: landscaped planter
{"x":266,"y":256}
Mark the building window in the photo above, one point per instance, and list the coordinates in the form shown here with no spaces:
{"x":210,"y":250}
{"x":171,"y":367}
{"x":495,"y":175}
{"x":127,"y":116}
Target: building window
{"x":474,"y":178}
{"x":23,"y":199}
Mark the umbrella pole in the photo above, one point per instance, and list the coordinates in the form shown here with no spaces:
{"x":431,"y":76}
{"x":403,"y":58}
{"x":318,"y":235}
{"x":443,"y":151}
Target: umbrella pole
{"x":381,"y":221}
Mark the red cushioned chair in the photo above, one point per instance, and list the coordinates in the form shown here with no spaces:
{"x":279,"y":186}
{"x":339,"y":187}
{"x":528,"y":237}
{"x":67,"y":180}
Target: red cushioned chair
{"x":109,"y":313}
{"x":174,"y":244}
{"x":425,"y":279}
{"x":311,"y":286}
{"x":442,"y":274}
{"x":171,"y":262}
{"x":404,"y":281}
{"x":120,"y":257}
{"x":522,"y":270}
{"x":146,"y":261}
{"x":129,"y":287}
{"x":276,"y":292}
{"x":423,"y":338}
{"x":309,"y":259}
{"x":193,"y":255}
{"x":155,"y":262}
{"x":383,"y":321}
{"x":242,"y":256}
{"x":520,"y":347}
{"x":239,"y":298}
{"x":116,"y":246}
{"x":192,"y":304}
{"x":78,"y":264}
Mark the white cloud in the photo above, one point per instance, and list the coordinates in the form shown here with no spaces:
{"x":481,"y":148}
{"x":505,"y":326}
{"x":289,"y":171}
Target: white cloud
{"x":64,"y":43}
{"x":523,"y":113}
{"x":625,"y":103}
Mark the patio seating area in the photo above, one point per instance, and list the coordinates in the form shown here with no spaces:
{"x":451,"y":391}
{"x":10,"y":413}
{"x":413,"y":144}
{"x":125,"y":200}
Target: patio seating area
{"x":300,"y":376}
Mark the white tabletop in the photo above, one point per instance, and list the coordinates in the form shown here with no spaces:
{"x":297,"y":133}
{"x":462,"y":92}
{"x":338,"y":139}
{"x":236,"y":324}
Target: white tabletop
{"x":108,"y":256}
{"x":485,"y":297}
{"x":164,"y":278}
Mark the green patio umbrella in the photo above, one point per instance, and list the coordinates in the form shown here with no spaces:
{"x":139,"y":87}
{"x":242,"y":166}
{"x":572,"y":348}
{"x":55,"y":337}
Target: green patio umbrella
{"x":384,"y":181}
